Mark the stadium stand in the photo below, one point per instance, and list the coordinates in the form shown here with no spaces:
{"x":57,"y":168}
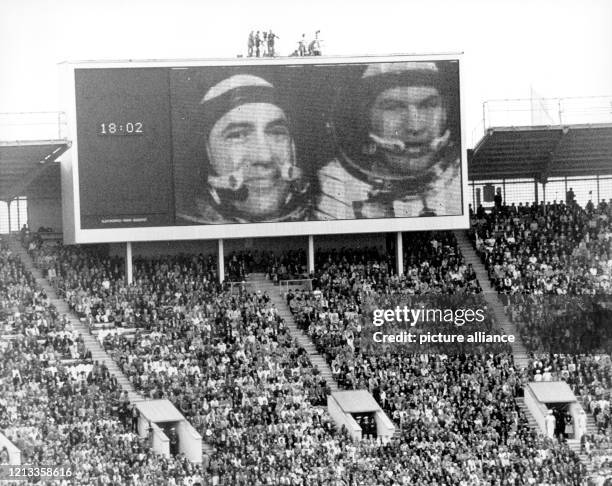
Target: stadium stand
{"x":58,"y":405}
{"x":233,"y":412}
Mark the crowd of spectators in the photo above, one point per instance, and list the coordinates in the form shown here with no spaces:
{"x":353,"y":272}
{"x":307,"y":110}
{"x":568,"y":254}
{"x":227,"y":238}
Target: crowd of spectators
{"x":552,"y":264}
{"x":436,"y":400}
{"x":227,"y":362}
{"x":553,"y":249}
{"x":61,"y":408}
{"x":276,"y":267}
{"x":349,"y":284}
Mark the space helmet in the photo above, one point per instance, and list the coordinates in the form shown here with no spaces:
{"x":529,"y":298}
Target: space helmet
{"x":362,"y":151}
{"x":224,"y":189}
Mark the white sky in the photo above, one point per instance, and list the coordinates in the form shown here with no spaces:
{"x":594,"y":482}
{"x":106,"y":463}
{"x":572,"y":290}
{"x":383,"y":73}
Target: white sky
{"x":557,"y":47}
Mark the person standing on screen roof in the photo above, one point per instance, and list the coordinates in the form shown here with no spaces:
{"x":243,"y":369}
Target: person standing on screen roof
{"x":264,"y":43}
{"x":251,"y":44}
{"x":251,"y":175}
{"x":302,"y":46}
{"x":271,"y":41}
{"x":257,"y":44}
{"x":397,"y":143}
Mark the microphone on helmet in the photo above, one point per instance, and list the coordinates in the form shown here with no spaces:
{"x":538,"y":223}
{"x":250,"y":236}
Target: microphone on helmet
{"x":232,"y":185}
{"x":440,"y":142}
{"x":399,"y":147}
{"x":290,"y":172}
{"x":233,"y":181}
{"x":390,"y":144}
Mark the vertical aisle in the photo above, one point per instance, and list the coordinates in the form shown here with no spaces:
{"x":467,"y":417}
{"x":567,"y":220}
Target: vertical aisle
{"x":492,"y":298}
{"x":259,"y":282}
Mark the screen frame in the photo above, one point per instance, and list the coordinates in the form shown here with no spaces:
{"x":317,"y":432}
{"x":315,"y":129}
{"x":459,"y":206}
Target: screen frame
{"x":74,"y":234}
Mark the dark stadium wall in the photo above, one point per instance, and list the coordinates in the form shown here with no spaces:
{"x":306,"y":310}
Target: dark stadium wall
{"x":45,"y":212}
{"x":326,"y":242}
{"x":269,"y":244}
{"x":45,"y":200}
{"x":156,"y":248}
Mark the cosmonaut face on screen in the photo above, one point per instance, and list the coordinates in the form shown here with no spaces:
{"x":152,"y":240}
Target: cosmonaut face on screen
{"x":395,"y":155}
{"x":409,"y":119}
{"x":251,"y":144}
{"x":251,"y":153}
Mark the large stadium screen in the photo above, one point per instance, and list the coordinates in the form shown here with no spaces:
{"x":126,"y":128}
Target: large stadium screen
{"x":199,"y":150}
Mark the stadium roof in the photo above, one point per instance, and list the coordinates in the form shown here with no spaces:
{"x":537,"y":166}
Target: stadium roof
{"x":542,"y":152}
{"x":23,"y":162}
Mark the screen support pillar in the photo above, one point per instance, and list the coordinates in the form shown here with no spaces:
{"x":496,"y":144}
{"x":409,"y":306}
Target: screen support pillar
{"x":311,"y":265}
{"x":129,"y":274}
{"x":399,"y":254}
{"x":8,"y":208}
{"x":221,"y":262}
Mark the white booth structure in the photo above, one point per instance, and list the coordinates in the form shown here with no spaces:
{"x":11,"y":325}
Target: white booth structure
{"x":360,"y":414}
{"x":158,"y":418}
{"x":14,"y":454}
{"x":545,"y":398}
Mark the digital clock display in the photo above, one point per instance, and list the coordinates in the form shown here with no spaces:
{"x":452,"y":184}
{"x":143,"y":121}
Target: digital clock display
{"x":121,"y":128}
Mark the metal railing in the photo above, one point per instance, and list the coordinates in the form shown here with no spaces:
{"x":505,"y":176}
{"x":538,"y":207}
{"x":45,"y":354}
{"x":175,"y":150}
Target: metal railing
{"x":240,"y":287}
{"x":37,"y":125}
{"x":547,"y":111}
{"x":304,"y":283}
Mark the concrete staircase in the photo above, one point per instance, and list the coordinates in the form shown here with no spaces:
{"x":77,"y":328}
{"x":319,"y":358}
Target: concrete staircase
{"x":207,"y":449}
{"x":533,"y":425}
{"x":91,"y":343}
{"x":259,"y":282}
{"x":492,"y":298}
{"x":591,"y":429}
{"x":573,"y":444}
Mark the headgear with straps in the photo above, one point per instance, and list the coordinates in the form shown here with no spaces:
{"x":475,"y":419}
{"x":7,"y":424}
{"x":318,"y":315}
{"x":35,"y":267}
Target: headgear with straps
{"x":219,"y":100}
{"x":361,"y":151}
